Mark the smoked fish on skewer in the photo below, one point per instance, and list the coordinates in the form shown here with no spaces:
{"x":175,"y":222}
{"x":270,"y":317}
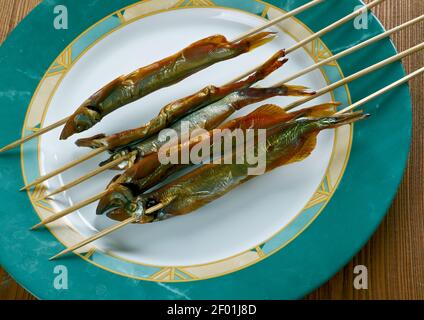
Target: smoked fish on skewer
{"x":207,"y":118}
{"x":286,"y":143}
{"x":150,"y":171}
{"x":166,"y":72}
{"x":179,"y":108}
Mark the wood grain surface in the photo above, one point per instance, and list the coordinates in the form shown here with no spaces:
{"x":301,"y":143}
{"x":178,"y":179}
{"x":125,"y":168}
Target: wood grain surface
{"x":395,"y":254}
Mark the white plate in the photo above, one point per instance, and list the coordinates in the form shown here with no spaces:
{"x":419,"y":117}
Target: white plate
{"x":242,"y":219}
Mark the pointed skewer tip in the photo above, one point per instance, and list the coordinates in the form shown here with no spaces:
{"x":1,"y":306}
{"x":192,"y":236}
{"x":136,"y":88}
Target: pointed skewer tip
{"x":54,"y":257}
{"x":60,"y":254}
{"x":6,"y":148}
{"x":38,"y":225}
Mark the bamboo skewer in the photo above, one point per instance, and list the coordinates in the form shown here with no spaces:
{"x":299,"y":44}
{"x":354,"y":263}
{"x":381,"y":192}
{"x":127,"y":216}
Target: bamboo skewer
{"x":354,"y":48}
{"x":277,"y":20}
{"x":240,"y":38}
{"x":297,"y":46}
{"x":293,"y":105}
{"x":34,"y":135}
{"x":64,"y":168}
{"x":320,"y":33}
{"x":69,"y":210}
{"x":106,"y":232}
{"x":160,"y":206}
{"x":356,"y":76}
{"x":93,"y":173}
{"x":382,"y":91}
{"x":335,"y":25}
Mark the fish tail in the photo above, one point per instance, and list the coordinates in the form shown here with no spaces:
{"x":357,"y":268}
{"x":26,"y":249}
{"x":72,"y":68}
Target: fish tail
{"x":253,"y":95}
{"x":92,"y":142}
{"x":257,"y":40}
{"x":297,"y":91}
{"x":274,"y":63}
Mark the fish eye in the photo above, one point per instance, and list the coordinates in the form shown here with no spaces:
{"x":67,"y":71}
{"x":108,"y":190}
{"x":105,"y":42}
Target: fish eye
{"x":82,"y":122}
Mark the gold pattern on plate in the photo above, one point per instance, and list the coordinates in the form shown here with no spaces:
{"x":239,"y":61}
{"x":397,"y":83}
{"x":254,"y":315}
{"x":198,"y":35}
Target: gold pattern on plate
{"x":320,"y":52}
{"x":195,"y":3}
{"x":337,"y":164}
{"x":265,"y":12}
{"x":90,"y":253}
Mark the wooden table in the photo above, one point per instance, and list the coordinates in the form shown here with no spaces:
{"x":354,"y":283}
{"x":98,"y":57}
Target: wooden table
{"x":395,"y":254}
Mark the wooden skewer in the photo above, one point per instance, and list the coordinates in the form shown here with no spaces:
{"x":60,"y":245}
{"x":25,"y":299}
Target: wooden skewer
{"x":354,"y":49}
{"x":277,"y":20}
{"x":253,"y":31}
{"x":160,"y":206}
{"x":297,"y":46}
{"x":334,"y":86}
{"x":357,"y":75}
{"x":382,"y":91}
{"x":322,"y":32}
{"x":106,"y":232}
{"x":335,"y":25}
{"x":304,"y":100}
{"x":69,"y":210}
{"x":88,"y":176}
{"x":64,"y":168}
{"x":34,"y":135}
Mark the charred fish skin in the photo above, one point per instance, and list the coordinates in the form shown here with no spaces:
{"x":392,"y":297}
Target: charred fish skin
{"x":127,"y":89}
{"x":179,"y":108}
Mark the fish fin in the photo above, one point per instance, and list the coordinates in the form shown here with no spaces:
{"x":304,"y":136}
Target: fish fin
{"x":270,"y":110}
{"x":214,"y":39}
{"x":258,"y":40}
{"x":306,"y":150}
{"x":261,"y":118}
{"x":302,"y":153}
{"x":321,"y":110}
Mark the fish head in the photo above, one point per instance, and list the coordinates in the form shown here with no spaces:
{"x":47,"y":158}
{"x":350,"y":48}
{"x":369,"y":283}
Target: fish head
{"x":116,"y":201}
{"x":83,"y":119}
{"x":120,"y":203}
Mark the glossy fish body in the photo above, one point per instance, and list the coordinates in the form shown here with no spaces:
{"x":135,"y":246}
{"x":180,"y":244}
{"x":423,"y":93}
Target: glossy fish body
{"x":212,"y":181}
{"x":166,"y":72}
{"x":182,"y":107}
{"x":291,"y":143}
{"x":212,"y":115}
{"x":149,"y":171}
